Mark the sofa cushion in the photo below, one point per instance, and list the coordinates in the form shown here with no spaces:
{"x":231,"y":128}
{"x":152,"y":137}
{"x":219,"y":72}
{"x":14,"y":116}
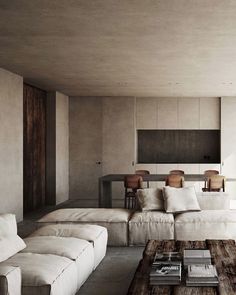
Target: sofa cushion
{"x":150,"y":199}
{"x":67,"y":247}
{"x":115,"y":220}
{"x":10,"y":242}
{"x":213,"y":200}
{"x":180,"y":199}
{"x":10,"y":246}
{"x":95,"y":234}
{"x":10,"y":280}
{"x":207,"y":224}
{"x":45,"y":274}
{"x":144,"y":226}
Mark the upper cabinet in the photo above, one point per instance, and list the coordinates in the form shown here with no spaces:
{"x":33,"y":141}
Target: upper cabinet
{"x":210,"y":113}
{"x":178,"y":113}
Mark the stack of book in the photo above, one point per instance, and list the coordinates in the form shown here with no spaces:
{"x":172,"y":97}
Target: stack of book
{"x":202,"y":275}
{"x":193,"y":256}
{"x":166,"y":269}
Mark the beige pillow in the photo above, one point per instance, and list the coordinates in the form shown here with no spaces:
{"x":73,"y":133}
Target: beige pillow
{"x":10,"y":246}
{"x":150,"y":199}
{"x":7,"y":225}
{"x":10,"y":242}
{"x":178,"y":200}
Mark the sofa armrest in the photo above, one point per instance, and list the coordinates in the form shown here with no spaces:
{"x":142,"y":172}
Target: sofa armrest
{"x":10,"y":280}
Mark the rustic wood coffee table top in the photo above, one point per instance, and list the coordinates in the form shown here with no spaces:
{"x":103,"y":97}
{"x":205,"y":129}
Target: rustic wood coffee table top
{"x":223,"y":254}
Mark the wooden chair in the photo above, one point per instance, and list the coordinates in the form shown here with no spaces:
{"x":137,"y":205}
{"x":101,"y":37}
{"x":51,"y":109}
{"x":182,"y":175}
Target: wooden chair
{"x":175,"y":180}
{"x":143,"y":172}
{"x":177,"y":172}
{"x":132,"y":183}
{"x":216,"y":183}
{"x":207,"y":174}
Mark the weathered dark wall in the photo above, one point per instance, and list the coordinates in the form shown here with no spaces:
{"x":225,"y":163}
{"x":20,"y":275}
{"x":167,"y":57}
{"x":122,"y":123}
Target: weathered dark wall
{"x":34,"y":147}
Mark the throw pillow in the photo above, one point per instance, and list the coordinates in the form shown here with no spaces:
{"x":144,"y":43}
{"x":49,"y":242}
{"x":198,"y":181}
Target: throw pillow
{"x":10,"y":242}
{"x":150,"y":199}
{"x":178,"y":200}
{"x":10,"y":246}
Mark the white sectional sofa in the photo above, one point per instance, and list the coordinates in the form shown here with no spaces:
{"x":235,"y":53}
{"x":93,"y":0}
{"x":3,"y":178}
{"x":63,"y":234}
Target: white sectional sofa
{"x":127,"y":227}
{"x":54,"y":260}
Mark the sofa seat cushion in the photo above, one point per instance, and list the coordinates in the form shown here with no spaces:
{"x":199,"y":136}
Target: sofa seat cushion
{"x":95,"y":234}
{"x":45,"y":274}
{"x":80,"y":251}
{"x":206,"y":224}
{"x":115,"y":220}
{"x":67,"y":247}
{"x":144,"y":226}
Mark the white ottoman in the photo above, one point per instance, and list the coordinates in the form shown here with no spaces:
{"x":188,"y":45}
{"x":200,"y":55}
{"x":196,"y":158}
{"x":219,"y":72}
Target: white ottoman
{"x":97,"y":235}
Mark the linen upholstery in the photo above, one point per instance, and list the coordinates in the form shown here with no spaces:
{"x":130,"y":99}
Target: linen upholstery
{"x":10,"y":242}
{"x":144,"y":226}
{"x":45,"y":274}
{"x":95,"y":234}
{"x":150,"y":199}
{"x":213,"y":200}
{"x":207,"y":224}
{"x":8,"y":226}
{"x":180,"y":199}
{"x":66,"y":247}
{"x":80,"y":251}
{"x":115,"y":220}
{"x":10,"y":280}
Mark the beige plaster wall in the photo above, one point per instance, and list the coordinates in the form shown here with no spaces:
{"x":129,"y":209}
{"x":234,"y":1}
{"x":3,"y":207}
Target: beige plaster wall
{"x":62,"y":147}
{"x":11,"y":144}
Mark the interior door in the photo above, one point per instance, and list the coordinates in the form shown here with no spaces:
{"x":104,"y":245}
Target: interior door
{"x":34,"y":147}
{"x":85,"y":149}
{"x":118,"y":141}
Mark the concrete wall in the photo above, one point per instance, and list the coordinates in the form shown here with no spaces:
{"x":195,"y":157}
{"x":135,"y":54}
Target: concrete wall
{"x":62,"y":147}
{"x":11,"y":144}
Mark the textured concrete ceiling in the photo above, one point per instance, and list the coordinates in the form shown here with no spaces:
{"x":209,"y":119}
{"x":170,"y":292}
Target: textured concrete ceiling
{"x":122,"y":47}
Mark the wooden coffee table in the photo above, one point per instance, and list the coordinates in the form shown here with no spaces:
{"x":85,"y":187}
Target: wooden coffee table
{"x":223,"y":254}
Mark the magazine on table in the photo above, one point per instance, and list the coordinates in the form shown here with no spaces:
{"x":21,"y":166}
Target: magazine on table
{"x":167,"y":257}
{"x":166,"y":270}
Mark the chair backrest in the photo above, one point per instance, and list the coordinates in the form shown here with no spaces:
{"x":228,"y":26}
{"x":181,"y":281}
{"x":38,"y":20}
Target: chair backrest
{"x":175,"y":180}
{"x":216,"y":183}
{"x":133,"y":182}
{"x":177,"y":172}
{"x":142,"y":172}
{"x":209,"y":173}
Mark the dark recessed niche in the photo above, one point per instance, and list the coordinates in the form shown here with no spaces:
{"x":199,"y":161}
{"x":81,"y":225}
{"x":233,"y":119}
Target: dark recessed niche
{"x":178,"y":146}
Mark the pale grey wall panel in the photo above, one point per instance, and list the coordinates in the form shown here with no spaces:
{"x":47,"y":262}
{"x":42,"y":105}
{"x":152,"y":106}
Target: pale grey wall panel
{"x":146,"y":113}
{"x":188,"y":113}
{"x":62,"y":147}
{"x":167,"y":113}
{"x":11,"y":143}
{"x":85,"y":121}
{"x":209,"y":113}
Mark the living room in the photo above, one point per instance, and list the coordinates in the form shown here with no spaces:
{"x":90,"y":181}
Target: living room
{"x":86,"y":86}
